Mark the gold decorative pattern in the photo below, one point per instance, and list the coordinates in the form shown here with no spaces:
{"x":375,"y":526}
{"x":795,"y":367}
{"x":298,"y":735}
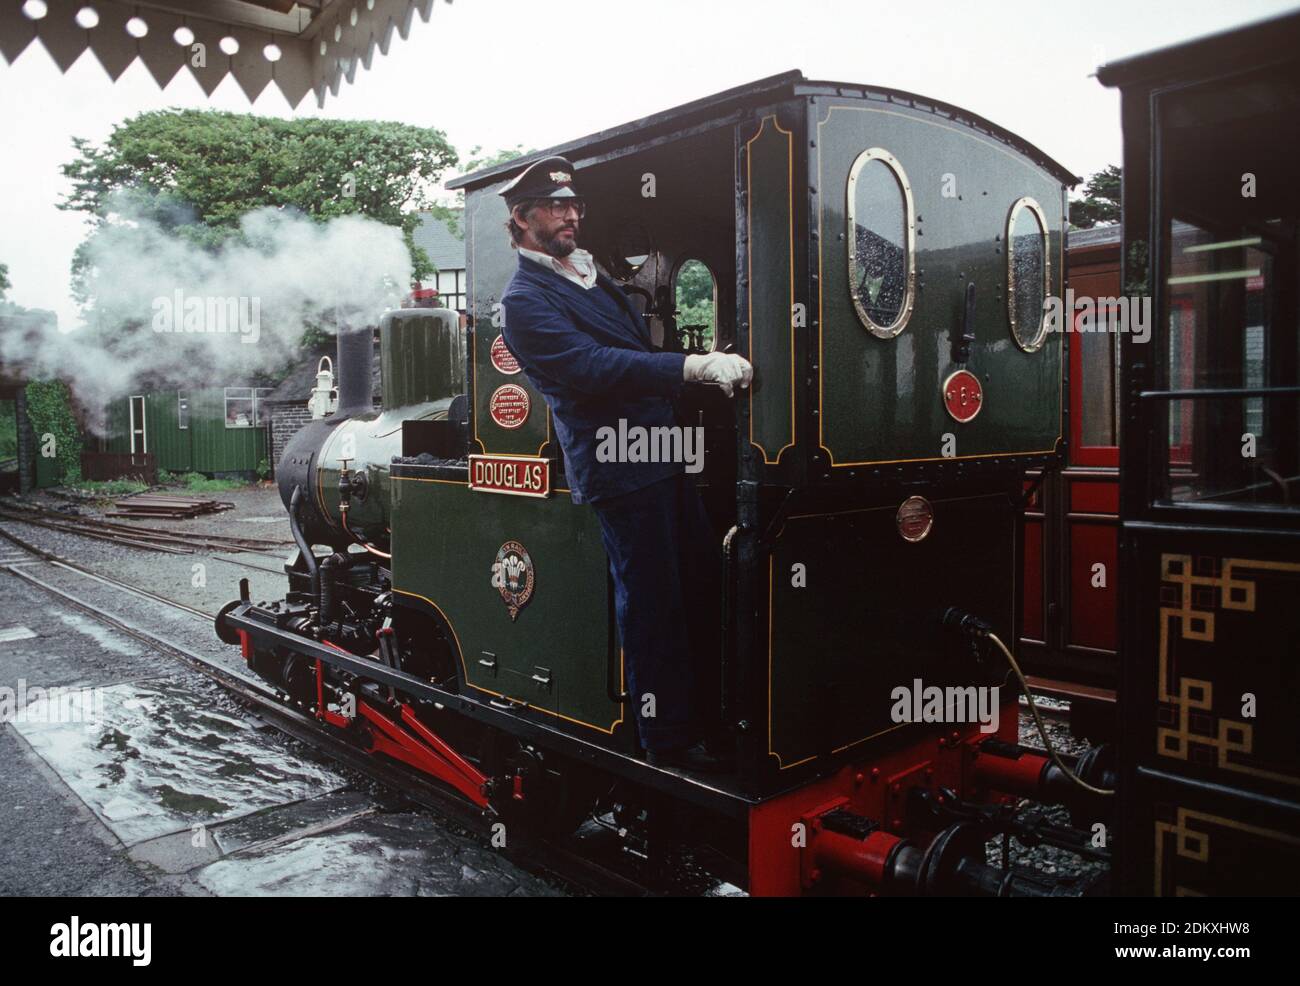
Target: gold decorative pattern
{"x":1194,"y":843}
{"x":1230,"y":591}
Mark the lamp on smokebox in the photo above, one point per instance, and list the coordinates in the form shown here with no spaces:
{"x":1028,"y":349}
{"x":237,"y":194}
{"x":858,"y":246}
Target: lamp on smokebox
{"x":324,"y":397}
{"x":422,"y":297}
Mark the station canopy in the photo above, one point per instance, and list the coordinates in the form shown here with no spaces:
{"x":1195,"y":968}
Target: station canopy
{"x":303,"y":46}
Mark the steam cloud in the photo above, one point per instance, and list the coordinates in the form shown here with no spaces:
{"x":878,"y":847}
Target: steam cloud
{"x":288,"y":273}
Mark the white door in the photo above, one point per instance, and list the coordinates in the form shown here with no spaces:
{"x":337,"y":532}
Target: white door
{"x":139,"y":438}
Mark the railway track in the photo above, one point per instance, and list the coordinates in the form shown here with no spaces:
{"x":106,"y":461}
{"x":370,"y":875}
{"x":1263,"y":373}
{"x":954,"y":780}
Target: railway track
{"x":572,"y":867}
{"x":181,"y":542}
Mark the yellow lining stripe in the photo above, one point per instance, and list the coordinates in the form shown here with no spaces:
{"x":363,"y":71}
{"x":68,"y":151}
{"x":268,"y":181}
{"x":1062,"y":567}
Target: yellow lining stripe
{"x":418,"y":479}
{"x":771,"y":584}
{"x":821,"y":320}
{"x":460,"y":653}
{"x":749,"y":261}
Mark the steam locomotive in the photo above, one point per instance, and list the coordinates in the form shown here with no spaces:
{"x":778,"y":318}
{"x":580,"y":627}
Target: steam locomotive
{"x":883,"y":260}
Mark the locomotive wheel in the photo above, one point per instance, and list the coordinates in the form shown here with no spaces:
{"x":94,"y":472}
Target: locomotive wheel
{"x":298,"y":679}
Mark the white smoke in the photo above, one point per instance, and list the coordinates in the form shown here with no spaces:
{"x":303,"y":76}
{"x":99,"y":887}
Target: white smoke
{"x":169,"y":313}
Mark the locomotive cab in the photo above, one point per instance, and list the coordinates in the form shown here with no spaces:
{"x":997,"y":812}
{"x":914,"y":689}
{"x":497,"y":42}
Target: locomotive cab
{"x":885,"y":263}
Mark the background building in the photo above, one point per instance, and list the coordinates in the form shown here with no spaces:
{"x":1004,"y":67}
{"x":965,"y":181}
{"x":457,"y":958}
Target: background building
{"x":447,"y":251}
{"x":218,"y":431}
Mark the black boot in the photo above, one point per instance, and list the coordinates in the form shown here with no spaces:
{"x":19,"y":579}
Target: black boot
{"x":695,"y":758}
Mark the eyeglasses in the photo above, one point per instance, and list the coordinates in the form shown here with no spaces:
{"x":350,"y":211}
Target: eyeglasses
{"x":559,"y":208}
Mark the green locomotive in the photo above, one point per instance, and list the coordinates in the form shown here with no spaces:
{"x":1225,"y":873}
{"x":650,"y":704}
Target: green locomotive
{"x":883,"y":260}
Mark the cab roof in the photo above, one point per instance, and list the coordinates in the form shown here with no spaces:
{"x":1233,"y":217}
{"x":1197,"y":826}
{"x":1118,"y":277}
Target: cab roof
{"x":720,"y":105}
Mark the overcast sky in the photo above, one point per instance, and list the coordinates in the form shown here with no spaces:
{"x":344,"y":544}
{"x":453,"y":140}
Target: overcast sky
{"x":503,"y":72}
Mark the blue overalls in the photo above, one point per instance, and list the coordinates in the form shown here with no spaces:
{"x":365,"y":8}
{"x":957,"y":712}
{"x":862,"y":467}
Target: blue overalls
{"x":590,"y":356}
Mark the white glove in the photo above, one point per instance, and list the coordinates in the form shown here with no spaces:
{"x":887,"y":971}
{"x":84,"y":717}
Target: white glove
{"x":724,"y":369}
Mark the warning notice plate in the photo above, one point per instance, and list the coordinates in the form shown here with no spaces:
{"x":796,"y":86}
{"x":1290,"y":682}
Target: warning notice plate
{"x":502,"y":358}
{"x":516,"y":475}
{"x":509,"y":405}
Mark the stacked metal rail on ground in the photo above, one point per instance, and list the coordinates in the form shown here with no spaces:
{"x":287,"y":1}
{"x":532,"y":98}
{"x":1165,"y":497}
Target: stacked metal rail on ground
{"x":166,"y":506}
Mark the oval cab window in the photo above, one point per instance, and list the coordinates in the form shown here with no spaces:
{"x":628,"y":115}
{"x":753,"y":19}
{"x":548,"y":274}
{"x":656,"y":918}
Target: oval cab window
{"x":696,"y":298}
{"x":1028,"y":273}
{"x":881,"y":237}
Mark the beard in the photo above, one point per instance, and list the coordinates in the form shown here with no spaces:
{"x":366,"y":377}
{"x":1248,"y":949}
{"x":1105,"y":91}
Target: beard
{"x":557,"y":246}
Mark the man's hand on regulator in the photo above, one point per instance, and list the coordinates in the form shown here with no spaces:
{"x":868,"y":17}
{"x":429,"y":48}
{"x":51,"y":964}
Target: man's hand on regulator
{"x":726,"y":370}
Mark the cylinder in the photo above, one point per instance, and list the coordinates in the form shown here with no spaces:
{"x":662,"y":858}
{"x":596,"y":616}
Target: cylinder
{"x":866,"y":859}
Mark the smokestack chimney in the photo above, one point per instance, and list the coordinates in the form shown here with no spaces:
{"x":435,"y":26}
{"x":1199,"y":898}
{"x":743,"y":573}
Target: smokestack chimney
{"x":356,"y":354}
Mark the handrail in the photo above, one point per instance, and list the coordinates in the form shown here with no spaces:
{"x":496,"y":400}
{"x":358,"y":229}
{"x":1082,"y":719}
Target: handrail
{"x":1173,"y":395}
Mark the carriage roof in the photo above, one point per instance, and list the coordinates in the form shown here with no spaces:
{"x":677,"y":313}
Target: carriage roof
{"x":1249,"y":46}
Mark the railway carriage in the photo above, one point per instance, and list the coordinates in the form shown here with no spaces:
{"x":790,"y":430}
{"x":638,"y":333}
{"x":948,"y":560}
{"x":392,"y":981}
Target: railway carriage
{"x":1069,"y":632}
{"x":883,"y":260}
{"x":1209,"y":688}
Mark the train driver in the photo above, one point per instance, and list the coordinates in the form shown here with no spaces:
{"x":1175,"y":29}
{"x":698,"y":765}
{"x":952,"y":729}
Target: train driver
{"x":590,"y":355}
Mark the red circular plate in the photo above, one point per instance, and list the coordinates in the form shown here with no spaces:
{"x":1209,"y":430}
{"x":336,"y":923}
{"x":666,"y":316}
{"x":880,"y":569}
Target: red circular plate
{"x":509,"y":405}
{"x":963,"y":396}
{"x":915,"y":518}
{"x":502,"y":358}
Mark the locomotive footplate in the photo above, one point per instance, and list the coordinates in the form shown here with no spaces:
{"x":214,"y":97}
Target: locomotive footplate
{"x":263,"y":630}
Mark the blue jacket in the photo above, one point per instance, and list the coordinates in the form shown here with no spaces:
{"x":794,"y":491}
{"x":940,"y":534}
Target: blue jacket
{"x":590,"y":355}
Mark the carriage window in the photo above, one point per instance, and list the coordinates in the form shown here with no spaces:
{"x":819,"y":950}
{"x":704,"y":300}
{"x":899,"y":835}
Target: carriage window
{"x":1100,"y":349}
{"x":1028,"y":270}
{"x":1230,"y":449}
{"x":1216,"y":455}
{"x":1227,"y":351}
{"x":696,"y":299}
{"x":881,"y":242}
{"x":1218,"y":293}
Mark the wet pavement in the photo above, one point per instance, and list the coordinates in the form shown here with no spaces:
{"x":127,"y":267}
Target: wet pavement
{"x":151,"y":758}
{"x":128,"y":773}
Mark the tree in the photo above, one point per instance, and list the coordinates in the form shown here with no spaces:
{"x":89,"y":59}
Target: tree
{"x":478,"y":160}
{"x":197,"y":172}
{"x":4,"y":281}
{"x":452,"y":215}
{"x":1100,"y":202}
